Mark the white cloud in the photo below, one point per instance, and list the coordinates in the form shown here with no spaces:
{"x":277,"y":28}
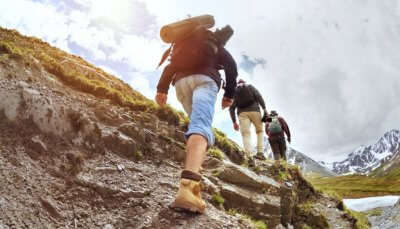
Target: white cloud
{"x":139,"y":82}
{"x":331,"y":67}
{"x":35,"y":19}
{"x":141,"y":53}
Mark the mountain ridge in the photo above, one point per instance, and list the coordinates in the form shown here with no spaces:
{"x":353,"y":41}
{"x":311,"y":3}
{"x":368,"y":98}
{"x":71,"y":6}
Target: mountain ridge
{"x":366,"y":159}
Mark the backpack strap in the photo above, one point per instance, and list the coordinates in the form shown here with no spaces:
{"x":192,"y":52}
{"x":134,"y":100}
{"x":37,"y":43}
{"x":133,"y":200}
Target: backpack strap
{"x":165,"y":56}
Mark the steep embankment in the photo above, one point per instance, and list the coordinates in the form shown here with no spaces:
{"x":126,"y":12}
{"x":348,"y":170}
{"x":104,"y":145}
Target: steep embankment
{"x":79,"y":148}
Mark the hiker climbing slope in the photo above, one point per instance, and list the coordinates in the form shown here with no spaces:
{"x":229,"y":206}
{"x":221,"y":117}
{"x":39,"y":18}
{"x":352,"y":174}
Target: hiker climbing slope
{"x":276,"y":128}
{"x":247,"y":100}
{"x":195,"y":58}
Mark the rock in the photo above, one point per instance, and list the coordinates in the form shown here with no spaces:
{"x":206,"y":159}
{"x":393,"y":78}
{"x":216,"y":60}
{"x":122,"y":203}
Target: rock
{"x":48,"y":116}
{"x":209,"y":186}
{"x":236,"y":156}
{"x":180,"y":136}
{"x":107,"y":115}
{"x":149,"y":135}
{"x":288,"y":184}
{"x":37,"y":145}
{"x":235,"y":174}
{"x":212,"y":163}
{"x":288,"y":203}
{"x":119,"y":143}
{"x":108,"y":226}
{"x":133,"y":131}
{"x":23,"y":84}
{"x":179,"y":152}
{"x":50,"y":207}
{"x":120,"y":168}
{"x":10,"y":103}
{"x":259,"y":206}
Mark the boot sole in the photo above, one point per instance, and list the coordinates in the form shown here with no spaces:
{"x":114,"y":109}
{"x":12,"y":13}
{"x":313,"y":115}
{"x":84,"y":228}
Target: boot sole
{"x":184,"y":206}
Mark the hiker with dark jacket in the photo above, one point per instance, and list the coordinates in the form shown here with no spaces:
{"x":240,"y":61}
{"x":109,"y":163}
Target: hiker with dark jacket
{"x":247,"y":101}
{"x":276,"y":128}
{"x":196,"y":89}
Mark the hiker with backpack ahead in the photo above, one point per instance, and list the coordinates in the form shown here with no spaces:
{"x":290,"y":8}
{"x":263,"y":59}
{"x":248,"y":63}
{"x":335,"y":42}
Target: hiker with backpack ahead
{"x":195,"y":58}
{"x":276,"y":128}
{"x":247,"y":100}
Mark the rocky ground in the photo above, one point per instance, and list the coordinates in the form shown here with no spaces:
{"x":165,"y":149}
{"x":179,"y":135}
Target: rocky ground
{"x":385,"y":217}
{"x":71,"y":160}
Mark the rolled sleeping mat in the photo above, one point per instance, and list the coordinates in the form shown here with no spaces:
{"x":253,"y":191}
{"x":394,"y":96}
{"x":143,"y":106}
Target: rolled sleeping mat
{"x":178,"y":30}
{"x":223,"y":34}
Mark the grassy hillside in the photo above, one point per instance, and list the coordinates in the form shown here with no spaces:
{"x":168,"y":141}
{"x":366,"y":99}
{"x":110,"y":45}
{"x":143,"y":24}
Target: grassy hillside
{"x":357,"y":186}
{"x":79,"y":74}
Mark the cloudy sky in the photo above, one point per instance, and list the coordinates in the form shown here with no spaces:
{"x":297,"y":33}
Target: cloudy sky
{"x":330,"y":68}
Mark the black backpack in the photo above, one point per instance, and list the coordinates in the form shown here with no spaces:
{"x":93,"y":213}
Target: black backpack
{"x":244,"y":97}
{"x":193,"y":51}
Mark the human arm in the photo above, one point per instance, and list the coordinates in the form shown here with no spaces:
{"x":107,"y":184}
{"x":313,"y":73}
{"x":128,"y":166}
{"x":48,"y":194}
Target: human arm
{"x":229,"y":65}
{"x":285,"y":128}
{"x":165,"y":79}
{"x":233,"y":115}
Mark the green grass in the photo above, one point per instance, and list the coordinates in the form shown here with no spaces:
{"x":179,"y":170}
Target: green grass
{"x":82,"y":76}
{"x":358,"y":186}
{"x":224,"y":143}
{"x":361,"y":220}
{"x":215,"y":152}
{"x":218,"y":199}
{"x":259,"y":224}
{"x":138,"y":155}
{"x":374,"y":212}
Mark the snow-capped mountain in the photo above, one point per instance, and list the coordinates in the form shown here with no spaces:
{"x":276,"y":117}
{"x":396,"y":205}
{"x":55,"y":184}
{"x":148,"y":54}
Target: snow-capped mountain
{"x":368,"y":158}
{"x":307,"y":164}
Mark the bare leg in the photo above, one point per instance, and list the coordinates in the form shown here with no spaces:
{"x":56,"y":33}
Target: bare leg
{"x":196,"y":148}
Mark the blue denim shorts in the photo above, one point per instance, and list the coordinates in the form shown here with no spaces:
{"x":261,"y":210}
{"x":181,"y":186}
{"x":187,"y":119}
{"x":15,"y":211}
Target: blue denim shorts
{"x":198,"y":94}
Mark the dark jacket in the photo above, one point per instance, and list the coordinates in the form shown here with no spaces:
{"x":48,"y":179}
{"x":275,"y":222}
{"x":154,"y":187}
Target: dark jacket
{"x":285,"y":128}
{"x":258,"y":100}
{"x":222,"y":60}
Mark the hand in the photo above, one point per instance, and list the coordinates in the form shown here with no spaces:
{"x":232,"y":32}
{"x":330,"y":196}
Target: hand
{"x":226,"y":102}
{"x":266,"y":113}
{"x":236,"y":126}
{"x":264,"y":117}
{"x":161,"y":98}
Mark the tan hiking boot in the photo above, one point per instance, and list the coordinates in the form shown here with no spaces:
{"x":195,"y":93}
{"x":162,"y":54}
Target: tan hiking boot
{"x":189,"y":197}
{"x":260,"y":156}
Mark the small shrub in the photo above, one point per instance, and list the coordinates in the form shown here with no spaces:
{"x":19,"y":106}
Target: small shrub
{"x":218,"y":199}
{"x":138,"y":155}
{"x":232,"y":212}
{"x":305,"y":226}
{"x":260,"y":224}
{"x":5,"y":48}
{"x":215,"y":173}
{"x":214,"y":152}
{"x":360,"y":219}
